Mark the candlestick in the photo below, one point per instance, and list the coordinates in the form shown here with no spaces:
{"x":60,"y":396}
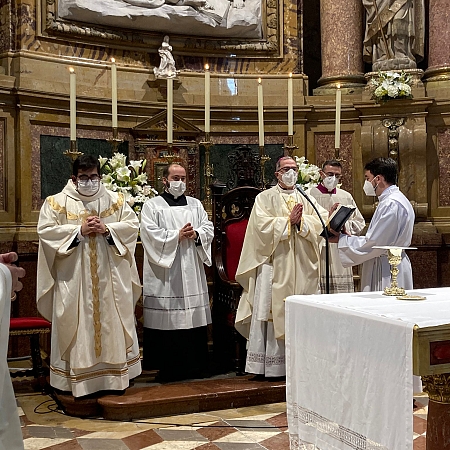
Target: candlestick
{"x":207,"y":99}
{"x":114,"y":92}
{"x":260,"y":113}
{"x":290,"y":106}
{"x":337,"y":130}
{"x":169,"y":110}
{"x":73,"y":104}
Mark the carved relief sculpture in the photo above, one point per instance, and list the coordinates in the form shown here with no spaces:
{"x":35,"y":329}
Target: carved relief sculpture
{"x":394,"y":37}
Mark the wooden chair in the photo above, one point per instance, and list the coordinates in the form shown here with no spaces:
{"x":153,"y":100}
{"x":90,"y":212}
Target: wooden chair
{"x":231,"y":212}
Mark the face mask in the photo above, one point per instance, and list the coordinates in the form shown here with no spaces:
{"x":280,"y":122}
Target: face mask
{"x":330,"y":182}
{"x":176,"y":188}
{"x":88,"y":188}
{"x":368,"y":188}
{"x":289,"y":178}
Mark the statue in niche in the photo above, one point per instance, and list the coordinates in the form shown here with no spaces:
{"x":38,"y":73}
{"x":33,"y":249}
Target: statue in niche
{"x":166,"y":67}
{"x":394,"y":37}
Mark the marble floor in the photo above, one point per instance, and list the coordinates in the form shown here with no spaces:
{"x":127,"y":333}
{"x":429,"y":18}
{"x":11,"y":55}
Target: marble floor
{"x":250,"y":428}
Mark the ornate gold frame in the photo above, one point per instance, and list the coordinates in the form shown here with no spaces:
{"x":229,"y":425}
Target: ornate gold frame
{"x":270,"y":46}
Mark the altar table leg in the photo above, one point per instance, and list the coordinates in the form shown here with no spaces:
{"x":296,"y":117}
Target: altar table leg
{"x":438,"y":420}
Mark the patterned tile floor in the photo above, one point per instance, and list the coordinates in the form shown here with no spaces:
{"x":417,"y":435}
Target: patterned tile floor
{"x":251,"y":428}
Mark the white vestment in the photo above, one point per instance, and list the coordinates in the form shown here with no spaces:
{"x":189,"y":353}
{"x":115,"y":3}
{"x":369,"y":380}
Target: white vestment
{"x":391,"y":225}
{"x":341,"y":278}
{"x":10,"y":432}
{"x":175,"y":289}
{"x":89,"y":291}
{"x":277,"y":260}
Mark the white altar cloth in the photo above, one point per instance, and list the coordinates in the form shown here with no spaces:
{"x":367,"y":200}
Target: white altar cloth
{"x":349,"y":367}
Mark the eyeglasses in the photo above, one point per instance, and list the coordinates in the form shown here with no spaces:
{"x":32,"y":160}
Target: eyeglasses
{"x":331,"y":174}
{"x":287,"y":169}
{"x":86,"y":178}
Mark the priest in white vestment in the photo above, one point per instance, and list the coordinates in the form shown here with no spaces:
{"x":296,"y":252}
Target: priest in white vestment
{"x":88,"y":284}
{"x":176,"y":234}
{"x":391,"y":225}
{"x":280,"y":257}
{"x":10,"y":431}
{"x":328,"y":195}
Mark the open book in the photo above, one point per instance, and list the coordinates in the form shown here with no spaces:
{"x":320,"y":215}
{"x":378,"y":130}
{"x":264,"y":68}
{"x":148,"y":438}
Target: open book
{"x":338,"y":218}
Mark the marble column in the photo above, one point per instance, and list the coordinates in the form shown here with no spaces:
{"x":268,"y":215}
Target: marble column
{"x":341,"y":44}
{"x":439,"y":36}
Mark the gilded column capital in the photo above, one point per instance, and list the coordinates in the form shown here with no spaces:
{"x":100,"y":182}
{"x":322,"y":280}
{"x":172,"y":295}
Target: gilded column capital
{"x":437,"y":387}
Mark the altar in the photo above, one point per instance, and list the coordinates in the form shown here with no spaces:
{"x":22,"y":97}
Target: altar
{"x":350,"y":365}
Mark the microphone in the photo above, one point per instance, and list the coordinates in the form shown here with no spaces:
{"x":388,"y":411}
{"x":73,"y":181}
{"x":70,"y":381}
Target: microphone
{"x":327,"y":243}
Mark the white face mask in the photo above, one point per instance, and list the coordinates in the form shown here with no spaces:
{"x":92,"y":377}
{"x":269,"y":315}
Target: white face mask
{"x":330,"y":182}
{"x":88,"y":188}
{"x":368,"y":188}
{"x":176,"y":188}
{"x":289,"y":178}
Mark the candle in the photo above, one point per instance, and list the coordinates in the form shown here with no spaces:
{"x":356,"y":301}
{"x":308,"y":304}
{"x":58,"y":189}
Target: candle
{"x":260,"y":113}
{"x":114,"y":92}
{"x":290,"y":106}
{"x":337,"y":129}
{"x":169,"y":110}
{"x":207,"y":99}
{"x":73,"y":104}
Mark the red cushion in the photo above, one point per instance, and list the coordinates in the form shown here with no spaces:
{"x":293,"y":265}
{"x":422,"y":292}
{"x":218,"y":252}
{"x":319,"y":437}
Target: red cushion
{"x":234,"y":239}
{"x":28,"y":323}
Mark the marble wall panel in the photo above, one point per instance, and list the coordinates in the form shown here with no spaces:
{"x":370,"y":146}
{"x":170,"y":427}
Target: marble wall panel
{"x":324,"y":143}
{"x":3,"y":193}
{"x":443,"y":146}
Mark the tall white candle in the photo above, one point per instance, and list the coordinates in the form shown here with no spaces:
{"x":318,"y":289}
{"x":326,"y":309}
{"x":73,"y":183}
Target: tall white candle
{"x":114,"y":92}
{"x":169,"y":110}
{"x":337,"y":129}
{"x":260,"y":113}
{"x":207,"y":99}
{"x":73,"y":104}
{"x":290,"y":106}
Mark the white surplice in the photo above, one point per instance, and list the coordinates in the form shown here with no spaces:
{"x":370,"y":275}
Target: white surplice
{"x":277,"y":260}
{"x":175,"y":289}
{"x":89,"y":291}
{"x":10,"y":432}
{"x":341,"y":278}
{"x":391,"y":225}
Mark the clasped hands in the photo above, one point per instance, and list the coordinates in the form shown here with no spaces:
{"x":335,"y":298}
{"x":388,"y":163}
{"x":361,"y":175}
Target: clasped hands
{"x":187,"y":232}
{"x":93,"y":224}
{"x":296,"y":214}
{"x":16,"y":272}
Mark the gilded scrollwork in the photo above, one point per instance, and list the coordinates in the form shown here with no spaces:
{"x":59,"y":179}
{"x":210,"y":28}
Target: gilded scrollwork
{"x":437,"y":387}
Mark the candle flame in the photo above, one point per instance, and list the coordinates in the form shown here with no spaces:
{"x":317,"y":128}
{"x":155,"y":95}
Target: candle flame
{"x":290,"y":75}
{"x":259,"y":80}
{"x":338,"y":86}
{"x":71,"y":70}
{"x":206,"y":66}
{"x":113,"y":60}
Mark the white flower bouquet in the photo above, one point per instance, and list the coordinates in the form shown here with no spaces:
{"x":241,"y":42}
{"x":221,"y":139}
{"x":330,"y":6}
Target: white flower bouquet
{"x":129,"y":179}
{"x":390,"y":85}
{"x":308,"y":174}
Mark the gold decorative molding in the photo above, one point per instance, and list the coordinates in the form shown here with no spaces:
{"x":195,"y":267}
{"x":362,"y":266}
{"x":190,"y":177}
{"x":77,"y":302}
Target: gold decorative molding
{"x":271,"y":45}
{"x":437,"y":387}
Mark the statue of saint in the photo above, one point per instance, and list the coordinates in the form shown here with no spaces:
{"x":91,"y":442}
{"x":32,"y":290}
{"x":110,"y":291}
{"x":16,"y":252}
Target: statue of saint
{"x":166,"y":67}
{"x":394,"y":36}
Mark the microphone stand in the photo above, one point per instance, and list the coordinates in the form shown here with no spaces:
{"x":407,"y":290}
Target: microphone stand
{"x":327,"y":241}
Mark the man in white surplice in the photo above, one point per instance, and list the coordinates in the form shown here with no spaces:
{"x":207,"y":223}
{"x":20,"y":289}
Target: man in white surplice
{"x":176,"y":234}
{"x":391,"y":225}
{"x":88,"y":284}
{"x":328,"y":195}
{"x":10,"y":432}
{"x":280,"y":257}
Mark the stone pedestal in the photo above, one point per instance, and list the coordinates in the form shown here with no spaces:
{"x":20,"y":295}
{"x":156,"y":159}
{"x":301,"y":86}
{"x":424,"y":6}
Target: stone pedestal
{"x":341,"y":36}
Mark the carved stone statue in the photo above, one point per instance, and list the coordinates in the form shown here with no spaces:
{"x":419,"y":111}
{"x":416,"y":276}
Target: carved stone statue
{"x":166,"y":67}
{"x":394,"y":37}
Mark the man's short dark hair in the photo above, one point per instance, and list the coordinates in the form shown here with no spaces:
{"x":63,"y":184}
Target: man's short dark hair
{"x":387,"y":167}
{"x":85,"y":162}
{"x":166,"y":169}
{"x":332,"y":163}
{"x":283,"y":158}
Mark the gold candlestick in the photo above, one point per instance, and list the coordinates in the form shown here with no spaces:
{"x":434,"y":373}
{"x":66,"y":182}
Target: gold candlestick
{"x":263,"y":158}
{"x":73,"y":153}
{"x":207,"y":201}
{"x":115,"y":141}
{"x":290,"y":147}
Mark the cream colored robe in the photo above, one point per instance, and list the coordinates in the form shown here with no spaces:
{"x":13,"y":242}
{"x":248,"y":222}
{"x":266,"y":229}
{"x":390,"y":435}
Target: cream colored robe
{"x":341,"y":278}
{"x":89,"y":292}
{"x":10,"y":432}
{"x":292,"y":254}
